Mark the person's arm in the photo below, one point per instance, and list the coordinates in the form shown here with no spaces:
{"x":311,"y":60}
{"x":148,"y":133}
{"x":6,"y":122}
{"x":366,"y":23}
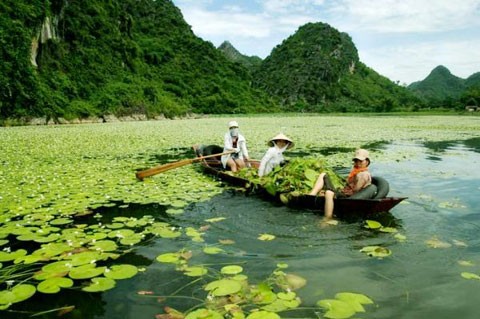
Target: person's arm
{"x":228,"y":144}
{"x":263,"y":163}
{"x":363,"y":179}
{"x":243,"y":146}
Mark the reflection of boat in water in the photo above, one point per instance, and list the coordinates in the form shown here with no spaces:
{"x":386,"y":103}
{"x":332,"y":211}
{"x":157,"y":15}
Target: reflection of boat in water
{"x":343,"y":207}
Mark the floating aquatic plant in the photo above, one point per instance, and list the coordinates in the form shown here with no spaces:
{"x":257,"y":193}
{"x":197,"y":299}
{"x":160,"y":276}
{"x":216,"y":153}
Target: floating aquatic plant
{"x":376,"y":251}
{"x":469,"y":275}
{"x":345,"y":305}
{"x":266,"y":237}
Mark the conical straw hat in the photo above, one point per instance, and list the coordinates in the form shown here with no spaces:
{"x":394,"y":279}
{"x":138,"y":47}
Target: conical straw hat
{"x":281,"y":136}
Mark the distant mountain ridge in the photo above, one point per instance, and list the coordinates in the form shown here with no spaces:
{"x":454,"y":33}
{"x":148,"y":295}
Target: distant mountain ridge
{"x":442,"y":85}
{"x":439,"y":84}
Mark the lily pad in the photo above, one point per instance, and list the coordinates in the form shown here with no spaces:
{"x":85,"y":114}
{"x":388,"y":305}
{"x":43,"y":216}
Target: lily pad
{"x":86,"y":271}
{"x":231,"y":270}
{"x":336,"y":309}
{"x":195,"y":271}
{"x":372,"y":224}
{"x":388,"y":230}
{"x":87,"y":257}
{"x":290,"y":281}
{"x":53,"y":285}
{"x":100,"y":284}
{"x":223,"y":287}
{"x":279,"y":305}
{"x":168,"y":258}
{"x":121,"y":271}
{"x":55,"y":269}
{"x":376,"y":251}
{"x":204,"y":314}
{"x":17,"y":294}
{"x":61,"y":221}
{"x":262,"y":314}
{"x":165,"y":232}
{"x":121,"y":233}
{"x":469,"y":275}
{"x":132,"y":240}
{"x":213,"y":250}
{"x":286,"y":295}
{"x":104,"y":245}
{"x":6,"y":256}
{"x":434,"y":242}
{"x":214,"y":220}
{"x":355,"y":300}
{"x":266,"y":237}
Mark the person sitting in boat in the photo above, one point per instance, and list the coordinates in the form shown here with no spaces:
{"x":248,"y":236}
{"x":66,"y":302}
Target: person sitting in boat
{"x":274,"y":155}
{"x":359,"y":180}
{"x":234,"y":141}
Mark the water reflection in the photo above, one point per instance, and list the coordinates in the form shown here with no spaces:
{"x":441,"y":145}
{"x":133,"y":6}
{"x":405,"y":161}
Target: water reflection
{"x":473,"y":144}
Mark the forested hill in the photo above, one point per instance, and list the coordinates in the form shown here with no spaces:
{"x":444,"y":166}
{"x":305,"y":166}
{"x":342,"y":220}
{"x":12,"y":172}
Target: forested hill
{"x":318,"y":69}
{"x":250,"y":62}
{"x":70,"y":59}
{"x":95,"y":57}
{"x":442,"y":88}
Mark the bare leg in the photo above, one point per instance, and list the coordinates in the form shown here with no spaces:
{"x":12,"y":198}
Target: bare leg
{"x":328,"y":210}
{"x":240,"y":163}
{"x":318,"y":185}
{"x":232,"y":164}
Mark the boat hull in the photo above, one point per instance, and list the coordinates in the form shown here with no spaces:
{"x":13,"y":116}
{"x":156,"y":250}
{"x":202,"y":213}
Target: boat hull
{"x":343,"y":207}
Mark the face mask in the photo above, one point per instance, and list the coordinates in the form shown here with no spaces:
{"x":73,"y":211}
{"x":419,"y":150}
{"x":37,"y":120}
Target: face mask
{"x":234,"y":132}
{"x":281,"y":149}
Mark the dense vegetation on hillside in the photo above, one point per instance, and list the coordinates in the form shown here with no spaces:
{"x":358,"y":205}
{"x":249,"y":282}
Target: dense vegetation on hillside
{"x":76,"y":59}
{"x":443,"y":89}
{"x":318,"y":69}
{"x":114,"y":57}
{"x":250,"y":62}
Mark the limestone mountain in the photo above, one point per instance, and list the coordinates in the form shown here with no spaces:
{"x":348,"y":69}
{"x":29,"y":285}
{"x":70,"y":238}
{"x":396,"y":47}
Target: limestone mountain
{"x":443,"y":89}
{"x":232,"y":54}
{"x":473,"y":81}
{"x":318,"y":69}
{"x":439,"y":85}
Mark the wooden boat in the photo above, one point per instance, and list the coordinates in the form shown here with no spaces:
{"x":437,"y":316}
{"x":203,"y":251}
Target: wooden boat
{"x":343,"y":207}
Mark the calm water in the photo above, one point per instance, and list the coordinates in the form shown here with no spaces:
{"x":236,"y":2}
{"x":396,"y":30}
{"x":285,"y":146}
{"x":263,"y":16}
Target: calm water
{"x":417,"y":281}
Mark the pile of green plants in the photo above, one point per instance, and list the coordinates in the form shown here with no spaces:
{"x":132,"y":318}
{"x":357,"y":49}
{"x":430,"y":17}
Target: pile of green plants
{"x":297,"y":176}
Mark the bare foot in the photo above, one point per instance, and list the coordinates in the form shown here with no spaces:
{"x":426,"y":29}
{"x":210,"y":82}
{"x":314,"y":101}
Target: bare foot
{"x":327,"y":222}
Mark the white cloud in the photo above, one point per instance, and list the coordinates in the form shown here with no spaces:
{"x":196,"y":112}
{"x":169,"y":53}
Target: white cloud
{"x":414,"y":62}
{"x":401,"y":39}
{"x":409,"y":15}
{"x":233,"y":24}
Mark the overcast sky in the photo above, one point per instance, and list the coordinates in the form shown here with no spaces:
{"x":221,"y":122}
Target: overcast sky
{"x":400,"y":39}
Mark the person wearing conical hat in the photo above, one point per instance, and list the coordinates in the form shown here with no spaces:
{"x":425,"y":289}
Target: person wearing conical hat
{"x":234,"y":141}
{"x":274,"y":155}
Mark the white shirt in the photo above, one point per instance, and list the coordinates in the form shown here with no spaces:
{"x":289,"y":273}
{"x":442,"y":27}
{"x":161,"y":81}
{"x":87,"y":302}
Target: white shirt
{"x":228,"y":146}
{"x":272,"y":158}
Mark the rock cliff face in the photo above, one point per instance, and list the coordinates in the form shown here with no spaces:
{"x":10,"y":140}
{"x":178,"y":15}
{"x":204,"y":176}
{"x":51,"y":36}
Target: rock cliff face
{"x":48,"y":31}
{"x":250,"y":62}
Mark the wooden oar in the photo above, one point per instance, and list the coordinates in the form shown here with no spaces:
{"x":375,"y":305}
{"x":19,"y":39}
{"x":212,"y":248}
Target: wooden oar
{"x":166,"y":167}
